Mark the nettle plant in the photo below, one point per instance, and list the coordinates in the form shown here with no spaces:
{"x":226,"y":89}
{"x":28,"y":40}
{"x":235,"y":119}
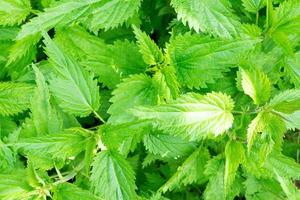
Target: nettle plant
{"x":149,"y":99}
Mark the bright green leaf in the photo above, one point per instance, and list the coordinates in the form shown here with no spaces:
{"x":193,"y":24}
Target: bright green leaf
{"x":257,"y":85}
{"x":191,"y":115}
{"x":152,"y":55}
{"x":14,"y":11}
{"x":112,"y":177}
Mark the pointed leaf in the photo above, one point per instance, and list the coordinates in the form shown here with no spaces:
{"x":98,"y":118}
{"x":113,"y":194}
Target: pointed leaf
{"x":214,"y":169}
{"x":14,"y":11}
{"x":152,"y":55}
{"x":199,"y":60}
{"x":69,"y":142}
{"x":110,"y":14}
{"x":210,"y":16}
{"x":111,"y":63}
{"x":191,"y":115}
{"x":254,"y":6}
{"x":167,"y":145}
{"x":45,"y":118}
{"x":74,"y":88}
{"x":234,"y":155}
{"x":14,"y":97}
{"x":141,"y":90}
{"x":286,"y":102}
{"x":191,"y":171}
{"x":256,"y":84}
{"x":112,"y":177}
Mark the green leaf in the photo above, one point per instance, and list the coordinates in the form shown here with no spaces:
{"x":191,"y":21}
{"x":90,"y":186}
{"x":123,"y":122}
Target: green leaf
{"x":293,"y":69}
{"x":210,"y":16}
{"x":7,"y":159}
{"x":123,"y":59}
{"x":257,"y":189}
{"x":256,"y":126}
{"x":125,"y":136}
{"x":68,"y":191}
{"x":200,"y":60}
{"x":292,"y":121}
{"x":191,"y":171}
{"x":257,"y":85}
{"x":268,"y":123}
{"x":285,"y":166}
{"x":75,"y":89}
{"x":214,"y":169}
{"x":110,"y":14}
{"x":14,"y":97}
{"x":286,"y":102}
{"x":23,"y":49}
{"x":167,"y":145}
{"x":288,"y":187}
{"x":111,"y":63}
{"x":63,"y":145}
{"x":168,"y":73}
{"x":14,"y":11}
{"x":112,"y":177}
{"x":152,"y":55}
{"x":140,"y":90}
{"x":8,"y":33}
{"x":254,"y":6}
{"x":95,"y":14}
{"x":191,"y":115}
{"x":234,"y":156}
{"x":286,"y":18}
{"x":7,"y":126}
{"x":61,"y":13}
{"x":285,"y":21}
{"x":44,"y":116}
{"x":14,"y":186}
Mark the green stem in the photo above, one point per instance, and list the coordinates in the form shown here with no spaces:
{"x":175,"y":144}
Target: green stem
{"x":58,"y":173}
{"x":269,"y":9}
{"x":71,"y":175}
{"x":99,"y":117}
{"x":36,"y":12}
{"x":238,"y":112}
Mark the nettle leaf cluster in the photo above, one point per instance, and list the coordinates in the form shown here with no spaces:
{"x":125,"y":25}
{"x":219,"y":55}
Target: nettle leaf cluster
{"x":149,"y":99}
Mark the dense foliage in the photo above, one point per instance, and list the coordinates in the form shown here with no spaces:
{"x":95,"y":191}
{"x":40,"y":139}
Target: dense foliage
{"x":149,"y":99}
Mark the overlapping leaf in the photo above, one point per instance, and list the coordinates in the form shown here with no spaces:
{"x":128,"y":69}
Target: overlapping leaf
{"x":19,"y":8}
{"x":14,"y":97}
{"x":191,"y":171}
{"x":75,"y":88}
{"x":167,"y":145}
{"x":152,"y":55}
{"x":111,"y":63}
{"x":67,"y":143}
{"x":199,"y":60}
{"x":140,"y":90}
